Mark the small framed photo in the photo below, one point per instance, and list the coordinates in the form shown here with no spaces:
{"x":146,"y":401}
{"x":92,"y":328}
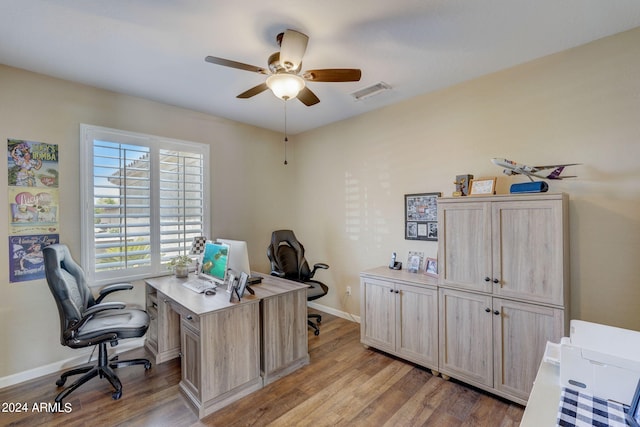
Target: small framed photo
{"x":231,"y":281}
{"x":431,"y":267}
{"x":421,"y":216}
{"x":483,"y":186}
{"x":242,"y":283}
{"x":414,"y":261}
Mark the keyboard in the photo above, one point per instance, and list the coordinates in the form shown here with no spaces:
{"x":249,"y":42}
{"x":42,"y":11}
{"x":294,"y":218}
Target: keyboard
{"x":198,"y":285}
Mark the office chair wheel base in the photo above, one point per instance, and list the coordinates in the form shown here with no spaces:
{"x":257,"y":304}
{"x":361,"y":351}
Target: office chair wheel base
{"x":116,"y":395}
{"x":147,"y":366}
{"x":316,"y":332}
{"x":61,"y":382}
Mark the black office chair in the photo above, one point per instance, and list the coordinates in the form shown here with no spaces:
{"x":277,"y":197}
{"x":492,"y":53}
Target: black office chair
{"x":286,"y":254}
{"x":85,"y":321}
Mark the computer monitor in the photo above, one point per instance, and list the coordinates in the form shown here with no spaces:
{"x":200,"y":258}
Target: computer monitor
{"x":238,"y":256}
{"x":215,"y":262}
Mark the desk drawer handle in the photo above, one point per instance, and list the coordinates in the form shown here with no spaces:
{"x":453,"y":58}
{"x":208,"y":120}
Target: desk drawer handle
{"x":189,"y":317}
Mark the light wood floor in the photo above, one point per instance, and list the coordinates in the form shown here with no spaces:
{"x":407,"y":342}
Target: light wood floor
{"x":345,"y":385}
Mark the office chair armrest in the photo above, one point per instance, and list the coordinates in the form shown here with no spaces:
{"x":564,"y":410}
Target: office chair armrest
{"x":316,"y":266}
{"x":112,"y":288}
{"x":103,"y":307}
{"x":71,"y":330}
{"x":277,"y":273}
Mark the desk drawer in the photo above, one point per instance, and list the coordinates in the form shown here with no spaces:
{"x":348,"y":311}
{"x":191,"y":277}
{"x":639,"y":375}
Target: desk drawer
{"x":192,"y":320}
{"x":189,"y":318}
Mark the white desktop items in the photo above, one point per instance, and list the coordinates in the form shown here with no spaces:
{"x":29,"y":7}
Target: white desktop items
{"x":600,"y":360}
{"x":213,"y":272}
{"x":239,"y":261}
{"x":238,"y":255}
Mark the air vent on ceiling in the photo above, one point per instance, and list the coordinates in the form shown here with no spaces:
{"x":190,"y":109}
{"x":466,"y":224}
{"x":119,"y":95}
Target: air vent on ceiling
{"x":370,"y":91}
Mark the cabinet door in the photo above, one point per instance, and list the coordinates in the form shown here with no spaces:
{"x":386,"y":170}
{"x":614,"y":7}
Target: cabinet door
{"x":528,"y":250}
{"x":521,"y":332}
{"x":379,"y":317}
{"x":417,"y":324}
{"x":191,"y":360}
{"x":168,"y":329}
{"x":464,"y":251}
{"x":465,"y":336}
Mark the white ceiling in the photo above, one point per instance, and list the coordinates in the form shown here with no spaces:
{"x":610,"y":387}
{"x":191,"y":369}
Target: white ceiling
{"x":155,"y":49}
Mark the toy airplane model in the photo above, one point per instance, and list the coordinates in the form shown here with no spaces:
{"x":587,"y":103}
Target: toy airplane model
{"x":513,"y":168}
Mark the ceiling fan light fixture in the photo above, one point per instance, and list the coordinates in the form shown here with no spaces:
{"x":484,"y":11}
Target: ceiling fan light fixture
{"x":285,"y":86}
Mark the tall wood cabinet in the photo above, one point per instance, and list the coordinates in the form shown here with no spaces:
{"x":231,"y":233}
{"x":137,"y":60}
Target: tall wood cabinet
{"x":503,"y":287}
{"x":502,"y":292}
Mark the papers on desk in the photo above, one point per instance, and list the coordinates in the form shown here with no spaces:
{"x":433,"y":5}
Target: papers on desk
{"x":581,"y":409}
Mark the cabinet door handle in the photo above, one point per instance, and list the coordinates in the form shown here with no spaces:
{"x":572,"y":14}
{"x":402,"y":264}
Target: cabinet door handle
{"x":488,"y":310}
{"x":397,"y":292}
{"x":391,"y":290}
{"x":496,"y":281}
{"x":496,"y":312}
{"x":487,"y":279}
{"x":189,"y":317}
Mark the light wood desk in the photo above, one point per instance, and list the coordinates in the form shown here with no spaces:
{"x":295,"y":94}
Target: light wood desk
{"x":228,"y":349}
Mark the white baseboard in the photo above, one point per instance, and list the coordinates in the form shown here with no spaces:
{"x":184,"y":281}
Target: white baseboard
{"x":60,"y":365}
{"x":333,"y":311}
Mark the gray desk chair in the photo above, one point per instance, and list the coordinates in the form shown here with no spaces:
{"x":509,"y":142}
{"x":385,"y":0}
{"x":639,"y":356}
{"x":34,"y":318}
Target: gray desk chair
{"x":85,"y":321}
{"x":286,"y":254}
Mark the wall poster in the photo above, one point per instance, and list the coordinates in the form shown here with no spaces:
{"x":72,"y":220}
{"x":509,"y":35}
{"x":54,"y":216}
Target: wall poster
{"x":33,"y":204}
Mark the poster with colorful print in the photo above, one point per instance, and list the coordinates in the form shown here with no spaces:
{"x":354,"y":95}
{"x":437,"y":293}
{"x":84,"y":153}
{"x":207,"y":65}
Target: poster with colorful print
{"x":33,"y":210}
{"x":32,"y":164}
{"x":26,"y":261}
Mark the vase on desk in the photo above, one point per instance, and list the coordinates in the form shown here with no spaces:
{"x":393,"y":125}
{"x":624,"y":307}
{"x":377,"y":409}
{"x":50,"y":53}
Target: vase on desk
{"x":181,"y":270}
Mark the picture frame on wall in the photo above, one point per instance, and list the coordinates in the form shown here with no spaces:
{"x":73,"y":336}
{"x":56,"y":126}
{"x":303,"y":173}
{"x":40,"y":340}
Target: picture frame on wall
{"x":483,"y":186}
{"x":421,"y":216}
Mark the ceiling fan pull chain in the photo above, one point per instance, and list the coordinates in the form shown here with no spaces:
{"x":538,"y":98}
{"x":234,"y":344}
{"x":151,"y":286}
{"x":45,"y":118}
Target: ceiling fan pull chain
{"x":285,"y":132}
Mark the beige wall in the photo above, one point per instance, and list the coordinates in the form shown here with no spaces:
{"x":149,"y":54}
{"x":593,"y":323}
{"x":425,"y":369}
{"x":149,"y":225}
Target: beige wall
{"x":348,"y":179}
{"x":581,"y":105}
{"x":40,"y":108}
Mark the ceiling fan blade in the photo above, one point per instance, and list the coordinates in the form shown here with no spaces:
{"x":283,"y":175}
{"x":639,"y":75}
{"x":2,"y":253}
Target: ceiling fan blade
{"x":292,"y":48}
{"x":253,"y":91}
{"x":307,"y":97}
{"x":333,"y":75}
{"x":234,"y":64}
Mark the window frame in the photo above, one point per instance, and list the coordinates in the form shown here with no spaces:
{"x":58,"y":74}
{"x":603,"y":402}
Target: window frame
{"x":90,"y":133}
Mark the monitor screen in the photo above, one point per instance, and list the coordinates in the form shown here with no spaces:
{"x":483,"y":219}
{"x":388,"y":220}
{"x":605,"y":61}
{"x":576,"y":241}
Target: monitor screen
{"x":238,"y":256}
{"x":215,"y":262}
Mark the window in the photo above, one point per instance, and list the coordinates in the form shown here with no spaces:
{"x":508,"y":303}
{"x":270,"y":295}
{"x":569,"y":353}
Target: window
{"x":143,"y":199}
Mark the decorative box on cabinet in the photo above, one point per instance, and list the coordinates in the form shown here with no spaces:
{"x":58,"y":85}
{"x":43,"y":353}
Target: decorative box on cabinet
{"x":503,"y":286}
{"x":399,"y":314}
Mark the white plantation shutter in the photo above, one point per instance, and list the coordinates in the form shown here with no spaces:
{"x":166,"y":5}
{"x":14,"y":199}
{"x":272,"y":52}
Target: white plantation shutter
{"x":144,"y":200}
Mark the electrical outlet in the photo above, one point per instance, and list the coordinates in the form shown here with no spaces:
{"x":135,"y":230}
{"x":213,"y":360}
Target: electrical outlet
{"x":349,"y":290}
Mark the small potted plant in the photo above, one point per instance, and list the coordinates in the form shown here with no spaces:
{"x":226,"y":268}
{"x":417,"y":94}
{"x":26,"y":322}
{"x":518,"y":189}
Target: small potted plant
{"x":180,"y":265}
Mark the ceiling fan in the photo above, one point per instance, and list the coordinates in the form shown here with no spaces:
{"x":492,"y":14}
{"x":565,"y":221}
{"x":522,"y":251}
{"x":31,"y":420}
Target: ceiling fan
{"x":285,"y":80}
